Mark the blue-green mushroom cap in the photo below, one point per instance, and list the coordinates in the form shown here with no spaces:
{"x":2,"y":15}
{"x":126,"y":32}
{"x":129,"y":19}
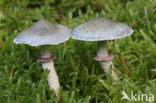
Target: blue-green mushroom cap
{"x":43,"y":33}
{"x":100,"y":29}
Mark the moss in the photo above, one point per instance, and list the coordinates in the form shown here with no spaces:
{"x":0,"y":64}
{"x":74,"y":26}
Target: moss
{"x":81,"y":78}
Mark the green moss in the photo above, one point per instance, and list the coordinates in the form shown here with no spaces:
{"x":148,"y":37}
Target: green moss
{"x":81,"y":78}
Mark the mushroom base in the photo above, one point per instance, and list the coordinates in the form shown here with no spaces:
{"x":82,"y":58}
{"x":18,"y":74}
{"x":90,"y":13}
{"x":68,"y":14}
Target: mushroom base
{"x":52,"y":76}
{"x":53,"y":80}
{"x":106,"y":64}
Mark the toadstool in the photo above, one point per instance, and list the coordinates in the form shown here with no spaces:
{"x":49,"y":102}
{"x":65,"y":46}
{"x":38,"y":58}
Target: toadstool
{"x":43,"y":34}
{"x":102,"y":29}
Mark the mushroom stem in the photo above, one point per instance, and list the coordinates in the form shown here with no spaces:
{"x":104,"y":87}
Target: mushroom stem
{"x":52,"y":76}
{"x":103,"y":53}
{"x":102,"y":49}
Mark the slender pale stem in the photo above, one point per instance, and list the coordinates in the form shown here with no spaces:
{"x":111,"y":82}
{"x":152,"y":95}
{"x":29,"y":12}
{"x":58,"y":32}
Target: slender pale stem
{"x":102,"y":49}
{"x":45,"y":52}
{"x":102,"y":52}
{"x":53,"y":80}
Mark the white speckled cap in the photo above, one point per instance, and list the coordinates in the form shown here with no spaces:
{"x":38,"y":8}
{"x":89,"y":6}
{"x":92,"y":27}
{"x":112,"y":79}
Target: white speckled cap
{"x":43,"y":33}
{"x":100,"y":29}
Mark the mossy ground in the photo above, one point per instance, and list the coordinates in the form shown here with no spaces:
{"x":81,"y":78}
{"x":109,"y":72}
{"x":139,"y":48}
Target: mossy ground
{"x":82,"y":79}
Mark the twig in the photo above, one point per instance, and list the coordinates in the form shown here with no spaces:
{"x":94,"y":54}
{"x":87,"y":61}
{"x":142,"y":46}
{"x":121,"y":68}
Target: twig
{"x":12,"y":72}
{"x":146,"y":14}
{"x":129,"y":73}
{"x":60,"y":99}
{"x":59,"y":18}
{"x":101,"y":6}
{"x":134,"y":23}
{"x":121,"y":19}
{"x":64,"y":44}
{"x":124,"y":1}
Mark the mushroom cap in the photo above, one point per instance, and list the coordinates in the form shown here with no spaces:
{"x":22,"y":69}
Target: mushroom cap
{"x":43,"y":33}
{"x":100,"y":29}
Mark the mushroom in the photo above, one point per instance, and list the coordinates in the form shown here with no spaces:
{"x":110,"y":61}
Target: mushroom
{"x":43,"y":34}
{"x":102,"y":29}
